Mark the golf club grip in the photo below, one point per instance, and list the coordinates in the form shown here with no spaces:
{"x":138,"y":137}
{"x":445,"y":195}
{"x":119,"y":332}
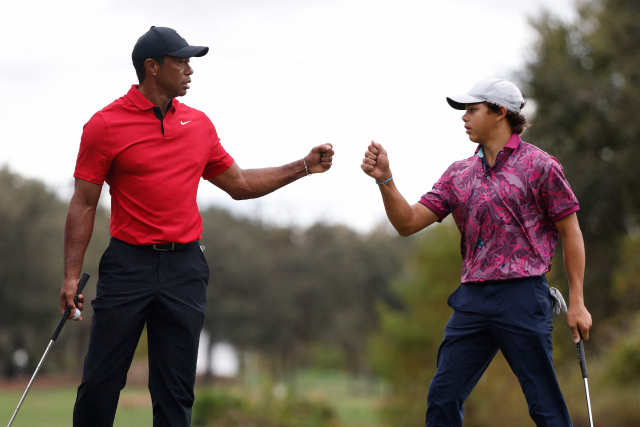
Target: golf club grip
{"x":583,"y":362}
{"x":67,"y":312}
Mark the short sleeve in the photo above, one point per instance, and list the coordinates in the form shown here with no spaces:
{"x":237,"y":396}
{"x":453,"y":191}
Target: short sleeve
{"x":219,"y":160}
{"x":438,"y":198}
{"x":555,"y":194}
{"x":95,"y":155}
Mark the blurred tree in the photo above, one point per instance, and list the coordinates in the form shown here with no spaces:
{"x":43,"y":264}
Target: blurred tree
{"x":585,"y":82}
{"x":280,"y":289}
{"x":31,"y":232}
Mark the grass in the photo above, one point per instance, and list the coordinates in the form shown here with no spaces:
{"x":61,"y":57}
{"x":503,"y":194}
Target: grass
{"x":53,"y":407}
{"x":354,"y":401}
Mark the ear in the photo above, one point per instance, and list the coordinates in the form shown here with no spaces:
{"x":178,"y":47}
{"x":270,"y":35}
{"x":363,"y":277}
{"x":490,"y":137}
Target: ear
{"x":151,"y":66}
{"x":501,"y":114}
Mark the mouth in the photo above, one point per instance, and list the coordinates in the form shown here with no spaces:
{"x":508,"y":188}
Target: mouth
{"x":468,"y":129}
{"x":186,"y":84}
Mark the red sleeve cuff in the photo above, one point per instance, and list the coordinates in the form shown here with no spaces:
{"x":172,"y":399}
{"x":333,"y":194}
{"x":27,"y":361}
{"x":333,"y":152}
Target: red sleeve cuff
{"x":565,"y":213}
{"x":88,"y":178}
{"x":225,"y":163}
{"x":432,"y":207}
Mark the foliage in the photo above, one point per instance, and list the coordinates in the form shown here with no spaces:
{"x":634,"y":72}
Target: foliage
{"x":404,"y":351}
{"x":281,"y":289}
{"x":286,"y":292}
{"x":219,"y":409}
{"x":31,"y":231}
{"x":585,"y":82}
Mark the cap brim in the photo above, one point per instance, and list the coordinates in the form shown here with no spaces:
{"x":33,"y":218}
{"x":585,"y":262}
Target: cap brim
{"x":190,"y":51}
{"x":459,"y":102}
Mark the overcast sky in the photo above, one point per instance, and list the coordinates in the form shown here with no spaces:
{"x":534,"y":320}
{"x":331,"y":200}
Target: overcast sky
{"x":280,"y":77}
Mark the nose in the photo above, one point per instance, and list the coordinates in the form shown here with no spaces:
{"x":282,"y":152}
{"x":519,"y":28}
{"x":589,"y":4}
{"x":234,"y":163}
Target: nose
{"x":465,"y":118}
{"x":188,"y":70}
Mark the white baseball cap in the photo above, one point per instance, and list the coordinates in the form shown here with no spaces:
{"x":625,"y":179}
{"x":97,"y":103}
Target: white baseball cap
{"x":496,"y":91}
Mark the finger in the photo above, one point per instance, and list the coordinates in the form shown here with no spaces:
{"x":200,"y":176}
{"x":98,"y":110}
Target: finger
{"x":367,"y":168}
{"x":321,"y":148}
{"x":370,"y":155}
{"x":368,"y":162}
{"x":378,"y":147}
{"x":373,"y":149}
{"x":70,"y":305}
{"x":326,"y":159}
{"x":585,"y":332}
{"x":328,"y":153}
{"x":575,"y":334}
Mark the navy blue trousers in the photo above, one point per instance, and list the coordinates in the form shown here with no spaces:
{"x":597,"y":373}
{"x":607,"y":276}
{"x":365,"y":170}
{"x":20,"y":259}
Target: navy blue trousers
{"x":167,"y":292}
{"x":512,"y":316}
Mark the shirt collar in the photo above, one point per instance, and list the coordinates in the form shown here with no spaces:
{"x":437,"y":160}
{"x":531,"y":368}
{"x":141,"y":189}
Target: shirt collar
{"x":139,"y":100}
{"x":512,"y":144}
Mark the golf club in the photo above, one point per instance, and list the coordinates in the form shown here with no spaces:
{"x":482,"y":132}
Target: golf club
{"x":583,"y":367}
{"x":63,"y":319}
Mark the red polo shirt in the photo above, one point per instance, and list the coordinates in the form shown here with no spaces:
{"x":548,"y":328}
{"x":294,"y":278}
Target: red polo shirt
{"x":152,"y":167}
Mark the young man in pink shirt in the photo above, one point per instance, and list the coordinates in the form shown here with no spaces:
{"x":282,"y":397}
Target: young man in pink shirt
{"x":510,"y":201}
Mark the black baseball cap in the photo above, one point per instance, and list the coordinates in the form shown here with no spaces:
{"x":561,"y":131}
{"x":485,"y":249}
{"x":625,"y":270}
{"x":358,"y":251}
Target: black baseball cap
{"x":161,"y":41}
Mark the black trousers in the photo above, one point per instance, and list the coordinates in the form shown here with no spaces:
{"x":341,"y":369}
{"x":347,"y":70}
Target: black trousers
{"x":167,"y":292}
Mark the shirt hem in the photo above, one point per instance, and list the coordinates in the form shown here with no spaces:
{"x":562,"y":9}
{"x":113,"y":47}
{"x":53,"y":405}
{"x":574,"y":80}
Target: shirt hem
{"x":565,"y":213}
{"x":432,"y":208}
{"x":88,"y":179}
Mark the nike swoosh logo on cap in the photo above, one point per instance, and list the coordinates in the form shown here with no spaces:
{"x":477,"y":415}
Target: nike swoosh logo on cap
{"x":184,"y":123}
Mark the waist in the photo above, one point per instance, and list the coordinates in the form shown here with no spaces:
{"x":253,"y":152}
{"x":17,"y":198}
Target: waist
{"x":163,"y":247}
{"x":507,"y":281}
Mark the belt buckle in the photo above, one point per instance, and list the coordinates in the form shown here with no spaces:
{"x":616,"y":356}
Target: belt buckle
{"x":156,"y":248}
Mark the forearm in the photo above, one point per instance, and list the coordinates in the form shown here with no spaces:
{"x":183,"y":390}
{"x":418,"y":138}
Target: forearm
{"x":77,"y":234}
{"x":574,"y":262}
{"x":399,"y":211}
{"x":259,"y":182}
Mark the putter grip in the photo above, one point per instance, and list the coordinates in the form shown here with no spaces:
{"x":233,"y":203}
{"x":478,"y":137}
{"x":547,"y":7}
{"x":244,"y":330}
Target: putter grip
{"x":583,"y":362}
{"x":67,"y":312}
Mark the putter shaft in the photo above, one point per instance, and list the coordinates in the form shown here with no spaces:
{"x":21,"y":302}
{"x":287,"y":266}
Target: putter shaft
{"x":30,"y":382}
{"x":586,"y":389}
{"x":63,"y":319}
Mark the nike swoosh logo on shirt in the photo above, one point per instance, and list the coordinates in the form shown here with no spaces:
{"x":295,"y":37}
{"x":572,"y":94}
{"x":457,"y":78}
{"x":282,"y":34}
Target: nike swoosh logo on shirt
{"x":184,"y":123}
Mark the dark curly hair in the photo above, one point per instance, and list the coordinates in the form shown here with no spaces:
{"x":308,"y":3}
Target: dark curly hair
{"x":518,"y":122}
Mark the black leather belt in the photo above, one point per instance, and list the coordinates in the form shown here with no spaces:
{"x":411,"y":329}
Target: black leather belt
{"x":169,"y":246}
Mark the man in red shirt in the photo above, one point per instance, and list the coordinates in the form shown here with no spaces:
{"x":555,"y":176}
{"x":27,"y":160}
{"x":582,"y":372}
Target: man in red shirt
{"x":510,"y":201}
{"x":152,"y":150}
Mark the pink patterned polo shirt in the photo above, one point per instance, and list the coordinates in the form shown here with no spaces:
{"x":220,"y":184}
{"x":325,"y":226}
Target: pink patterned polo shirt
{"x":505,"y":213}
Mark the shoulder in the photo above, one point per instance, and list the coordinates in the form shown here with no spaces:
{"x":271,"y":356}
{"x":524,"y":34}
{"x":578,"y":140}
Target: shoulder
{"x":112,"y":111}
{"x":537,"y":158}
{"x":461,"y":167}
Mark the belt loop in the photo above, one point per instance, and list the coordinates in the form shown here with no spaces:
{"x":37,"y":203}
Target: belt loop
{"x":173,"y":246}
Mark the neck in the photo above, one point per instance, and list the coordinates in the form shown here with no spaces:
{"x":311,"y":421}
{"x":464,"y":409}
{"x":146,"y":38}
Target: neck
{"x":495,"y":143}
{"x":156,"y":95}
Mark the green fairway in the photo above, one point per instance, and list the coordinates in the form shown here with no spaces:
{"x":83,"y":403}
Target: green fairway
{"x":54,"y":407}
{"x":354,"y":401}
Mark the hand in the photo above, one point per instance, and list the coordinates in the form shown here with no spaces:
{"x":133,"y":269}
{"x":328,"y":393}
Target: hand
{"x":376,"y":162}
{"x":68,"y":291}
{"x":579,"y":318}
{"x":320,"y":158}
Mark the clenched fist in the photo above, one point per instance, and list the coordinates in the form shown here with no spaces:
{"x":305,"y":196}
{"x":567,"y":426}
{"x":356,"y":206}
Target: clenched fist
{"x":320,"y":158}
{"x":376,"y":163}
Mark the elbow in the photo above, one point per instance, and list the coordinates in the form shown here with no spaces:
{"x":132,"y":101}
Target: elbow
{"x":242,"y":193}
{"x":404,"y":231}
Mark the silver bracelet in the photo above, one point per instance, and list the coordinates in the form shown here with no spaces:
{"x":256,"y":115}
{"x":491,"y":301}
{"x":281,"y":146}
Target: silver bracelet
{"x":305,"y":166}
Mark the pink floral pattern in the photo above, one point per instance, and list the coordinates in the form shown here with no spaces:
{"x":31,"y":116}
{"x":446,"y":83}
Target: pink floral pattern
{"x":505,"y":213}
